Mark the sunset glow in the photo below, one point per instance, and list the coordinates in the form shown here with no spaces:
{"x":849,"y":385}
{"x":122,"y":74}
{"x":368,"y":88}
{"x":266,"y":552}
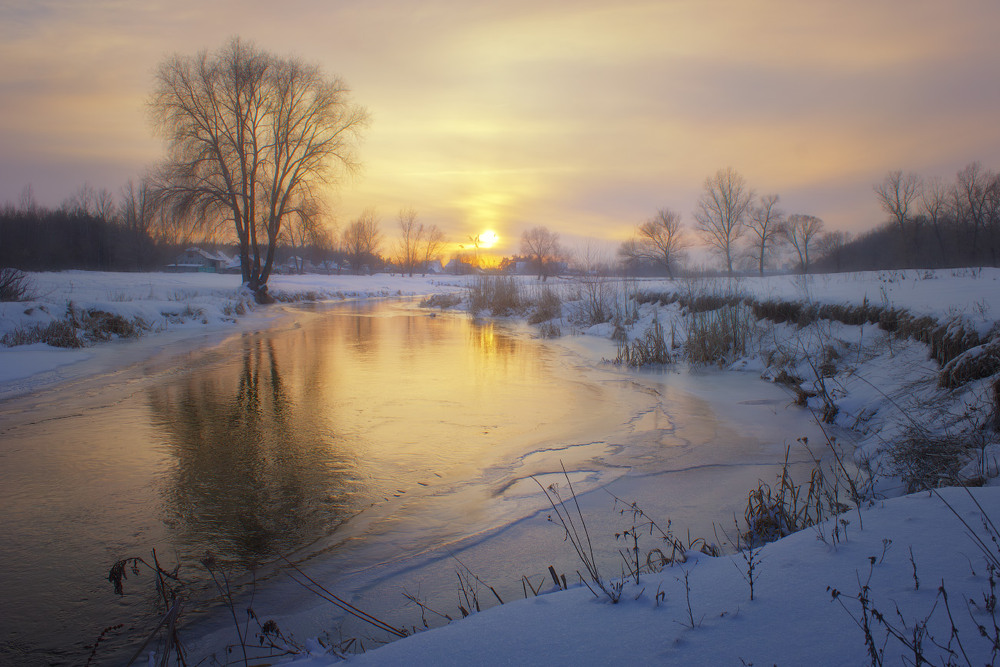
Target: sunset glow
{"x":577,"y":116}
{"x":488,"y":239}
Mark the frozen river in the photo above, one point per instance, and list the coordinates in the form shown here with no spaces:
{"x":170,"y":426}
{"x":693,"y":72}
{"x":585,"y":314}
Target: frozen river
{"x":382,"y":448}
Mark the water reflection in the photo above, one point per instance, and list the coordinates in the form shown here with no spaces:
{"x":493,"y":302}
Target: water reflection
{"x":373,"y":435}
{"x":250,"y":476}
{"x":312,"y":426}
{"x":362,"y":426}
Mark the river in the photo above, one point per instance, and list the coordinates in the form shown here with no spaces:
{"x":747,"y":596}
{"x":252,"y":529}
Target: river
{"x":383,"y":448}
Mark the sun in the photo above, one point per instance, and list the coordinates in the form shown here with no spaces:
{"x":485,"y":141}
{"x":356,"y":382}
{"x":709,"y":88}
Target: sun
{"x":488,"y":239}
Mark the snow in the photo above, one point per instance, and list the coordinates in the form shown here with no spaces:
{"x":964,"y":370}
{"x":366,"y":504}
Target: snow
{"x":884,"y":388}
{"x":174,"y":306}
{"x":793,"y":619}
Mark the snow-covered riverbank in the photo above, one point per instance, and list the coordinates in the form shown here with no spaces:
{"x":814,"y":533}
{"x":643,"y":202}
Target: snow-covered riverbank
{"x":169,"y":307}
{"x":884,"y":388}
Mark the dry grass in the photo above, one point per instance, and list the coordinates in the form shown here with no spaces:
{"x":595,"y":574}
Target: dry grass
{"x":650,"y":348}
{"x":547,"y":306}
{"x":500,"y":295}
{"x":59,"y":333}
{"x":947,"y":340}
{"x":78,"y":328}
{"x":718,"y":336}
{"x":441,"y":301}
{"x":773,"y":512}
{"x":926,"y":461}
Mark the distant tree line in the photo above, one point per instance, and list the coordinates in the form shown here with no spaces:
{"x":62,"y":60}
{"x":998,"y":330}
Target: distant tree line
{"x":91,"y":230}
{"x":95,"y":230}
{"x":931,"y":224}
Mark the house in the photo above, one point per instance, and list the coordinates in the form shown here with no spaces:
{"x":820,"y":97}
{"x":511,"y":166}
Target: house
{"x":195,"y":259}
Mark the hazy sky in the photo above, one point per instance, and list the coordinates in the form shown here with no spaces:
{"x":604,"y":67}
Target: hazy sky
{"x":581,"y":116}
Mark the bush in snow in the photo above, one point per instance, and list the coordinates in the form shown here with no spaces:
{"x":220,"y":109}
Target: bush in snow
{"x":500,"y":295}
{"x":547,"y":306}
{"x":14,"y":285}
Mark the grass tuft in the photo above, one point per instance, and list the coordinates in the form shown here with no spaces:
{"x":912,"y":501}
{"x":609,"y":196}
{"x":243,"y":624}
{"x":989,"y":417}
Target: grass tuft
{"x":718,"y":336}
{"x":547,"y":306}
{"x":499,"y":295}
{"x":441,"y":301}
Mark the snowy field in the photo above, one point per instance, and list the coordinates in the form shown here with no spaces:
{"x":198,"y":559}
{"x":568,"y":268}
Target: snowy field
{"x":902,"y":553}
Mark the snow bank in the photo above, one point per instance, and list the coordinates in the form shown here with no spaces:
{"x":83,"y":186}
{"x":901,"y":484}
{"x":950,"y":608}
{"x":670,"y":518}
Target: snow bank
{"x":909,"y":547}
{"x":167,"y":307}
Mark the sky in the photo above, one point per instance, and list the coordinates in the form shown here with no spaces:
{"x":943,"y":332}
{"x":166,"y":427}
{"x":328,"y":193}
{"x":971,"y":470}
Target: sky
{"x":584,"y":117}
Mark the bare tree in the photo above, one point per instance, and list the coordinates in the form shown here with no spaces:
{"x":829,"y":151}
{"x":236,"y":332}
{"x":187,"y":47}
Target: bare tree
{"x":659,"y":240}
{"x":431,"y":246}
{"x":802,"y":232}
{"x":896,"y":194}
{"x":765,"y":223}
{"x":934,"y":207}
{"x":362,"y":240}
{"x":26,"y":202}
{"x":325,"y":241}
{"x":410,"y":239}
{"x":105,"y":207}
{"x":302,"y":229}
{"x":138,"y":214}
{"x":249,"y":134}
{"x":970,"y":199}
{"x":95,"y":203}
{"x":722,"y":212}
{"x":541,"y":247}
{"x":992,"y":214}
{"x":831,"y":247}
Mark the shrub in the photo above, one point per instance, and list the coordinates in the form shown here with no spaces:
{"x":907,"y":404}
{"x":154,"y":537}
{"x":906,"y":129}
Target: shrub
{"x":718,"y":335}
{"x":235,"y":308}
{"x":775,"y":512}
{"x":14,"y":285}
{"x":500,"y":295}
{"x":441,"y":301}
{"x":974,"y":364}
{"x":651,"y":348}
{"x":925,"y":461}
{"x":99,"y":325}
{"x":548,"y":306}
{"x":77,"y":329}
{"x":59,"y":333}
{"x":549,"y":330}
{"x":598,"y":299}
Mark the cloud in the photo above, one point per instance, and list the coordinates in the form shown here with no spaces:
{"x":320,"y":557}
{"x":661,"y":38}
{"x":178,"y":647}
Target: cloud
{"x":582,"y":115}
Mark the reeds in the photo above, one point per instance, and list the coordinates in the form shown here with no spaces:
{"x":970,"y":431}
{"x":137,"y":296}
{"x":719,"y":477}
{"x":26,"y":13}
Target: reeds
{"x":570,"y":517}
{"x":500,"y":295}
{"x":650,"y":348}
{"x":720,"y":335}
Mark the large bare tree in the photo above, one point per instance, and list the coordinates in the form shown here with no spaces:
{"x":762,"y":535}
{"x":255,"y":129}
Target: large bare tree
{"x":541,"y":247}
{"x":659,"y":240}
{"x":722,"y":212}
{"x":802,"y":232}
{"x":248,"y":134}
{"x":765,"y":223}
